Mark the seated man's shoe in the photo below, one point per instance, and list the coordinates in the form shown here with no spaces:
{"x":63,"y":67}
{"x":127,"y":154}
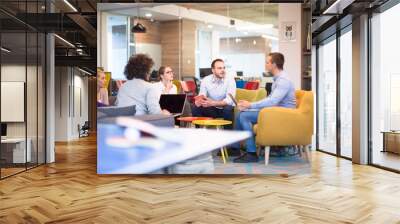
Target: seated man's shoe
{"x":246,"y":158}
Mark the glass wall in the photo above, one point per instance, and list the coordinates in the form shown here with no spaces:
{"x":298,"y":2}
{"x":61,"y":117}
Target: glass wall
{"x":22,"y":91}
{"x":117,"y":44}
{"x":327,"y":96}
{"x":346,"y":93}
{"x":385,"y":89}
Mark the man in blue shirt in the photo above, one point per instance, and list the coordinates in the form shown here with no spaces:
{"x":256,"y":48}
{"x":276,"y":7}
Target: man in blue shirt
{"x":213,"y":100}
{"x":282,"y":95}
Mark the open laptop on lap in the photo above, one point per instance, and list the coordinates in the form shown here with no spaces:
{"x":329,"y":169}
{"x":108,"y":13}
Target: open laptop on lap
{"x":174,"y":103}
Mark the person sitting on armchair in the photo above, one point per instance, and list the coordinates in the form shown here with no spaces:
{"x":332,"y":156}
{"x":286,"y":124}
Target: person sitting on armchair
{"x":282,"y":95}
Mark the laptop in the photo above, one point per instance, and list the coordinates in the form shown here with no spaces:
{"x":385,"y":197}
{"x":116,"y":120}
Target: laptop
{"x":174,"y":103}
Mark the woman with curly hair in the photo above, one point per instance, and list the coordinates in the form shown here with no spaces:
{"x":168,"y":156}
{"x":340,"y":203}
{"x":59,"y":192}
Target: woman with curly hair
{"x":137,"y":90}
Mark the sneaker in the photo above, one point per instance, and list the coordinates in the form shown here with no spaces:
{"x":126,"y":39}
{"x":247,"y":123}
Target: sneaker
{"x":246,"y":158}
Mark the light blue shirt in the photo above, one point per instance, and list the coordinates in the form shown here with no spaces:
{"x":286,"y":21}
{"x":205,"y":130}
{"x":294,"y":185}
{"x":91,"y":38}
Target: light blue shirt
{"x":143,"y":94}
{"x":282,"y":94}
{"x":218,"y":89}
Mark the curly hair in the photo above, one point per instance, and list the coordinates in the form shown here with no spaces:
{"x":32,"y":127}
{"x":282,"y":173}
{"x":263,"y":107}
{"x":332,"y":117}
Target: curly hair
{"x":138,"y":67}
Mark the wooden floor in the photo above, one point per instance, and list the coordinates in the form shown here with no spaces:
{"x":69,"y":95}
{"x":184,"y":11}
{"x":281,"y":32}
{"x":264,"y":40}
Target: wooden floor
{"x":70,"y":191}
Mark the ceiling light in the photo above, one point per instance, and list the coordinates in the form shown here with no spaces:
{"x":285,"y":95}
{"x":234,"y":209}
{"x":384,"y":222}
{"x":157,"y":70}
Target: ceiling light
{"x":245,"y":33}
{"x":64,"y":40}
{"x":70,"y":5}
{"x":210,"y":26}
{"x":256,"y":27}
{"x":5,"y":49}
{"x":337,"y":7}
{"x":148,"y":15}
{"x":269,"y":37}
{"x":86,"y":72}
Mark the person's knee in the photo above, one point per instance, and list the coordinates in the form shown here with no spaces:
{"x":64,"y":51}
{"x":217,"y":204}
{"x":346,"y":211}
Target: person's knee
{"x":228,"y":111}
{"x":196,"y":111}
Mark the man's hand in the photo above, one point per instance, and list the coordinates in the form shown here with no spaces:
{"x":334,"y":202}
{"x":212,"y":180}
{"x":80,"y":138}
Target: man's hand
{"x":208,"y":103}
{"x":243,"y":105}
{"x":198,"y":100}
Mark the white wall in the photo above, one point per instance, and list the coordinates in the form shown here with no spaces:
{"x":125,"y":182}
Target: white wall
{"x":291,"y":12}
{"x":251,"y":64}
{"x":153,"y":50}
{"x":71,"y":102}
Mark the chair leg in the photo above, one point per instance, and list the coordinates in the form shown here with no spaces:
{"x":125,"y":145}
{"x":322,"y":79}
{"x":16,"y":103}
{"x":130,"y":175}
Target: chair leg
{"x":307,"y":154}
{"x":298,"y":147}
{"x":223,"y":155}
{"x":226,"y":153}
{"x":267,"y":149}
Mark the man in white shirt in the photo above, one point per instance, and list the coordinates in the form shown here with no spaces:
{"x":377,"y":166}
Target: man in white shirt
{"x":213,"y":100}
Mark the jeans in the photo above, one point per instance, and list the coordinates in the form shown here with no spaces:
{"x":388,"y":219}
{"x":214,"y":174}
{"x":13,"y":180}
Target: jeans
{"x":245,"y":121}
{"x":226,"y":112}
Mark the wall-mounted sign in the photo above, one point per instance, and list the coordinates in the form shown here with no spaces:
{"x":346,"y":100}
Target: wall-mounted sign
{"x":288,"y":31}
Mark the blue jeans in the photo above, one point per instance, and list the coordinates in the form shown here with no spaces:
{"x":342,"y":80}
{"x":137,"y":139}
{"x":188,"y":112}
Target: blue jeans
{"x":226,"y":112}
{"x":245,"y":121}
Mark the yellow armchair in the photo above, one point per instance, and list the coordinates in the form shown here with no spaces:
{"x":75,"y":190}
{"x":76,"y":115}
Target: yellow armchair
{"x":248,"y":95}
{"x":277,"y":126}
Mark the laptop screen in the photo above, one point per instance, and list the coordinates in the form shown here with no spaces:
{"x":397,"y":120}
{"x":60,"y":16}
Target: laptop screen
{"x":174,"y":103}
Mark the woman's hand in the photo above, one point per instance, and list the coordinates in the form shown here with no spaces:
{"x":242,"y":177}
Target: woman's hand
{"x":165,"y":112}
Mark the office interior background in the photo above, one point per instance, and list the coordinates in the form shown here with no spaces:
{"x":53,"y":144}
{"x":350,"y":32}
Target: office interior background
{"x":354,"y":78}
{"x":38,"y":107}
{"x":189,"y":36}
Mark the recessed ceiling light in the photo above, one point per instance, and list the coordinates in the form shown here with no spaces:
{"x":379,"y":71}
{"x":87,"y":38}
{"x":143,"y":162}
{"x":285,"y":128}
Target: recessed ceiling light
{"x":148,"y":15}
{"x":5,"y":49}
{"x":70,"y":5}
{"x":64,"y":40}
{"x":245,"y":33}
{"x":269,"y":37}
{"x":210,"y":26}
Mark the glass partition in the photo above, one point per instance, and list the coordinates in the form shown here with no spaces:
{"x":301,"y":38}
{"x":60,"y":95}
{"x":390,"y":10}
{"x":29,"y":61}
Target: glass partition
{"x":22,"y":90}
{"x":385,"y":89}
{"x":327,"y":96}
{"x":346,"y":93}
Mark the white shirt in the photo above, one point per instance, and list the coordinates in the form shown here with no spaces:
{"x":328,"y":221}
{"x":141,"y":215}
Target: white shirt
{"x":161,"y":88}
{"x":143,"y":94}
{"x":218,"y":89}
